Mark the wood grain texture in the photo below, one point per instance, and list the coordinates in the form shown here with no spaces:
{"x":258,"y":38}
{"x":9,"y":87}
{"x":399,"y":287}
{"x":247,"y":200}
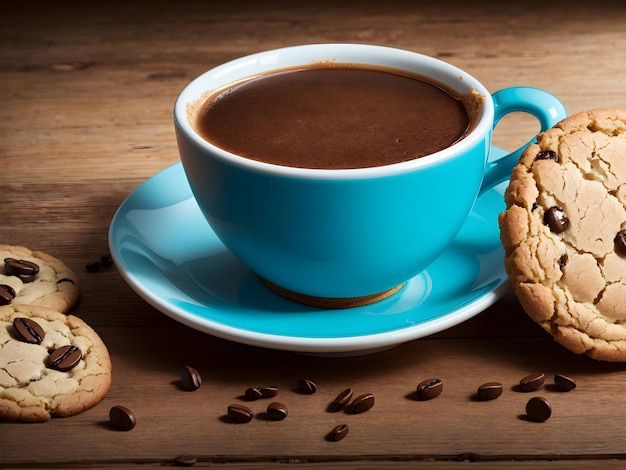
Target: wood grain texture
{"x":87,"y":91}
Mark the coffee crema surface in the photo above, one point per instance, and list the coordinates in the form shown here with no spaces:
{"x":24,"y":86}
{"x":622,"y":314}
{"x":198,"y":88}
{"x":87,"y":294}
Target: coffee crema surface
{"x":336,"y":116}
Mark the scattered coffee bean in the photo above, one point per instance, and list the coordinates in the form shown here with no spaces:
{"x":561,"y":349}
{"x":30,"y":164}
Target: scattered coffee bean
{"x":532,"y":382}
{"x":538,"y":409}
{"x":28,"y":330}
{"x":93,"y":266}
{"x":21,"y":268}
{"x":362,"y":403}
{"x":64,"y":358}
{"x":338,"y":432}
{"x":122,"y":418}
{"x":489,"y":391}
{"x":66,"y":279}
{"x":556,"y":219}
{"x":341,"y":401}
{"x":620,"y":242}
{"x":429,"y":389}
{"x":547,"y":155}
{"x":106,"y":261}
{"x":277,"y":411}
{"x":564,"y":383}
{"x":190,"y":379}
{"x":269,"y":392}
{"x":306,"y":386}
{"x":7,"y":294}
{"x":240,"y":413}
{"x":185,"y":460}
{"x":253,"y":393}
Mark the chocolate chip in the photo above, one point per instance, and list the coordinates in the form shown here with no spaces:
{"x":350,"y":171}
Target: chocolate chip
{"x":18,"y":267}
{"x":306,"y":386}
{"x":489,"y":391}
{"x":338,"y":432}
{"x":362,"y":403}
{"x":269,"y":392}
{"x":556,"y":219}
{"x":190,"y":379}
{"x":620,"y":242}
{"x":564,"y":383}
{"x":185,"y":460}
{"x":341,"y":401}
{"x":21,"y":268}
{"x":7,"y":294}
{"x":538,"y":409}
{"x":547,"y":155}
{"x":122,"y":418}
{"x":532,"y":382}
{"x":253,"y":393}
{"x":93,"y":266}
{"x":239,"y":413}
{"x":64,"y":358}
{"x":28,"y":330}
{"x":429,"y":389}
{"x":563,"y":260}
{"x":277,"y":411}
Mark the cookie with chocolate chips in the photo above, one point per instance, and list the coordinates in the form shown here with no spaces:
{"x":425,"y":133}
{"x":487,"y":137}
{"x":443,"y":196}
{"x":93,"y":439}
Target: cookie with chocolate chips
{"x":51,"y":364}
{"x":564,"y":232}
{"x":36,"y":278}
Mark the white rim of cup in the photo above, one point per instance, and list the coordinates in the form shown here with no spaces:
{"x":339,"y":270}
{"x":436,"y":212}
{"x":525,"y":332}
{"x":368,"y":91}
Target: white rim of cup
{"x":196,"y":89}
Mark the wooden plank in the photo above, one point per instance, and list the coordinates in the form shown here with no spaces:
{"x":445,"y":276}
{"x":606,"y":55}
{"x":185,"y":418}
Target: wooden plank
{"x":87,"y":93}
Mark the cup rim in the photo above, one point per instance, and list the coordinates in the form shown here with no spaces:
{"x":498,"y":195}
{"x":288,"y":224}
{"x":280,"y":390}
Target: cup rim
{"x":197,"y":88}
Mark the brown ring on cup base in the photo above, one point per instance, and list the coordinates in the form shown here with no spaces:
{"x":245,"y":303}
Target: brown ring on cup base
{"x":331,"y":302}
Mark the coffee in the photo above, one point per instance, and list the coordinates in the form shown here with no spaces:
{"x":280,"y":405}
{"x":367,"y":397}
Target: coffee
{"x":333,"y":116}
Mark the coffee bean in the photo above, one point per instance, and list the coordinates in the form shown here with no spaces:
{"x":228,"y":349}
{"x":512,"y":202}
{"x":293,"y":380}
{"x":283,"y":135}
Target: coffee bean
{"x":7,"y":294}
{"x":556,"y":219}
{"x":538,"y":409}
{"x":564,"y":383}
{"x":240,"y":413}
{"x":489,"y":391}
{"x":277,"y":411}
{"x":620,"y":242}
{"x":106,"y":261}
{"x":21,"y":268}
{"x":306,"y":386}
{"x":547,"y":155}
{"x":269,"y":392}
{"x":64,"y":358}
{"x":429,"y":389}
{"x":253,"y":393}
{"x":532,"y":382}
{"x":190,"y":379}
{"x":93,"y":266}
{"x":362,"y":403}
{"x":338,"y":432}
{"x":341,"y":401}
{"x":122,"y":418}
{"x":28,"y":330}
{"x":185,"y":460}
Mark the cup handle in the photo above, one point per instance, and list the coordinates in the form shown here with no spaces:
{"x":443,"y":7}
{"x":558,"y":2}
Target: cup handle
{"x":545,"y":107}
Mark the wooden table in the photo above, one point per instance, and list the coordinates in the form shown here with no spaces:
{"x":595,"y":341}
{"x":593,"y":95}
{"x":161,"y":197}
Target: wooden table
{"x":86,"y":93}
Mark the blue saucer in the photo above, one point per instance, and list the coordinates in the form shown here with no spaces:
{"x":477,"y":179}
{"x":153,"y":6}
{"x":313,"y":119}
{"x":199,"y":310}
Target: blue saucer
{"x":166,"y":251}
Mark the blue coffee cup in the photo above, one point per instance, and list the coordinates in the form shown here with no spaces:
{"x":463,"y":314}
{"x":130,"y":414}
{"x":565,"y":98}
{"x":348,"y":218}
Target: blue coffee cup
{"x":349,"y":233}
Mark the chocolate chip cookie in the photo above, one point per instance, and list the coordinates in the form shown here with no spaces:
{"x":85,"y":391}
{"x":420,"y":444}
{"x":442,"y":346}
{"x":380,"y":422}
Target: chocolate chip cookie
{"x":36,"y":278}
{"x":564,"y":232}
{"x":51,"y":364}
